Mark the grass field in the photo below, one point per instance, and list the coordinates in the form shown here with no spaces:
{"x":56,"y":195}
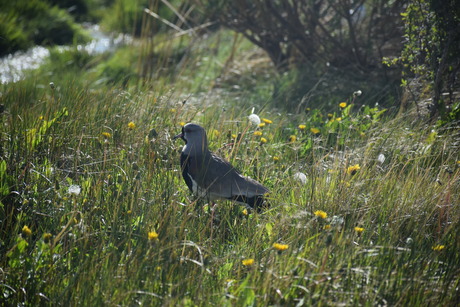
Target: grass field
{"x":94,"y":210}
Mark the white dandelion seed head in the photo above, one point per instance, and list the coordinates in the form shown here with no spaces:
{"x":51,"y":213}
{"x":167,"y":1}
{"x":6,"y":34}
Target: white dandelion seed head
{"x":337,"y":220}
{"x":74,"y":189}
{"x":301,"y":177}
{"x":254,"y":119}
{"x":381,"y":158}
{"x":357,"y":93}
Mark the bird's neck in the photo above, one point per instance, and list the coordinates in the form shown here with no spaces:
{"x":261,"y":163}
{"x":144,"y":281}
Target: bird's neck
{"x":190,"y":149}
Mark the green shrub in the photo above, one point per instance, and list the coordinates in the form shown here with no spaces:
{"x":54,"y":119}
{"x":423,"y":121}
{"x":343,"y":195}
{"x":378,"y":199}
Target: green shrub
{"x":12,"y":37}
{"x":36,"y":21}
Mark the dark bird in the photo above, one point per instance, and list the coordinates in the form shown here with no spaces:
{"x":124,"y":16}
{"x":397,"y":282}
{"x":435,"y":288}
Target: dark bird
{"x":209,"y":176}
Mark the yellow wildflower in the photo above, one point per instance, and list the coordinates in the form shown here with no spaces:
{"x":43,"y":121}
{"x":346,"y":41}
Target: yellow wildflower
{"x":182,"y":124}
{"x":280,"y":247}
{"x":338,"y":119}
{"x":342,"y":104}
{"x":292,"y":138}
{"x":438,"y":247}
{"x":330,"y":115}
{"x":215,"y":133}
{"x":173,"y":110}
{"x":353,"y":169}
{"x":314,"y":130}
{"x":276,"y":158}
{"x":263,"y":140}
{"x":359,"y":229}
{"x":302,"y":127}
{"x":153,"y":235}
{"x":129,"y":212}
{"x":320,"y":213}
{"x":267,"y":121}
{"x":233,"y":136}
{"x":307,"y":109}
{"x":131,"y":125}
{"x":261,"y":125}
{"x":107,"y":135}
{"x":26,"y":231}
{"x":40,"y":117}
{"x":245,"y":211}
{"x":47,"y":236}
{"x":257,"y":133}
{"x":327,"y":227}
{"x":247,"y":262}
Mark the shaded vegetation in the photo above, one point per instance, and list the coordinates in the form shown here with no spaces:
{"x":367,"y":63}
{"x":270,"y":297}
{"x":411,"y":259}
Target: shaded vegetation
{"x":93,"y":209}
{"x":36,"y":22}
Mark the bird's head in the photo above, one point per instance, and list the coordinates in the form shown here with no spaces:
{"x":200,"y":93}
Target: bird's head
{"x":194,"y":137}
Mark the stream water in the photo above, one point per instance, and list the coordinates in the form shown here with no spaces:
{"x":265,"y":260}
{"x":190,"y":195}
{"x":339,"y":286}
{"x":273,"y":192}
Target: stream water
{"x":13,"y":66}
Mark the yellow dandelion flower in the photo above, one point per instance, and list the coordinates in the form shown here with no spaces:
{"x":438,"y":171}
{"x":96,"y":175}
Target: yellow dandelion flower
{"x":129,"y":212}
{"x":245,"y":211}
{"x":307,"y":109}
{"x":215,"y":133}
{"x":248,"y":262}
{"x":438,"y":247}
{"x":327,"y":227}
{"x":26,"y":231}
{"x":342,"y":104}
{"x":320,"y":213}
{"x":330,"y":115}
{"x":458,"y":162}
{"x":257,"y":133}
{"x":280,"y":247}
{"x":107,"y":135}
{"x":47,"y":236}
{"x":314,"y":130}
{"x":276,"y":158}
{"x":338,"y":119}
{"x":292,"y":138}
{"x":233,"y":136}
{"x":302,"y":127}
{"x":131,"y":125}
{"x":182,"y":124}
{"x":153,"y":235}
{"x":41,"y":117}
{"x":263,"y":140}
{"x":261,"y":125}
{"x":353,"y":169}
{"x":267,"y":121}
{"x":359,"y":229}
{"x":172,"y":110}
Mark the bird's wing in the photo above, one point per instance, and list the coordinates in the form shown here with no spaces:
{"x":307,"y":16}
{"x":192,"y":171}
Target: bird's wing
{"x":224,"y":181}
{"x":187,"y":167}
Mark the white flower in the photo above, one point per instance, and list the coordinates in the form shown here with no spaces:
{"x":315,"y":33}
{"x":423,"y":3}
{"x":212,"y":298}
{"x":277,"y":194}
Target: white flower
{"x":357,"y":93}
{"x":300,"y":177}
{"x":254,"y":119}
{"x":381,"y":158}
{"x":74,"y":189}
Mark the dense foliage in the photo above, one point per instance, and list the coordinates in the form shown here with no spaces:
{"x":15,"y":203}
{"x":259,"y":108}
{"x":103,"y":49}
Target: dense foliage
{"x":93,"y":209}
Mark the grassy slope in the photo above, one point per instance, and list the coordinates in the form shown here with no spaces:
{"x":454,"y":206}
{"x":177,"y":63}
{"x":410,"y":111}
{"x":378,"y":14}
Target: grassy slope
{"x":99,"y":251}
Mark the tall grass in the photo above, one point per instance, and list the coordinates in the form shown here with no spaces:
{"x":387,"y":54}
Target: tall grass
{"x":94,"y":210}
{"x":93,"y":247}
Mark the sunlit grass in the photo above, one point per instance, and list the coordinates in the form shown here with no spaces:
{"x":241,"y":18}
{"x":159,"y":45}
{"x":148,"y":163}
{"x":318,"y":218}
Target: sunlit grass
{"x":132,"y":233}
{"x":94,"y":210}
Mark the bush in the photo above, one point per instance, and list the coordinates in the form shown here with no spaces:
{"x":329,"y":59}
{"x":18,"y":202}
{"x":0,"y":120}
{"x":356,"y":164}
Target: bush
{"x":38,"y":22}
{"x":431,"y":55}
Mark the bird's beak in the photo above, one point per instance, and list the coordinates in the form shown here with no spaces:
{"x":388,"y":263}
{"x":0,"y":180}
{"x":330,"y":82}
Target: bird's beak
{"x":180,"y":135}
